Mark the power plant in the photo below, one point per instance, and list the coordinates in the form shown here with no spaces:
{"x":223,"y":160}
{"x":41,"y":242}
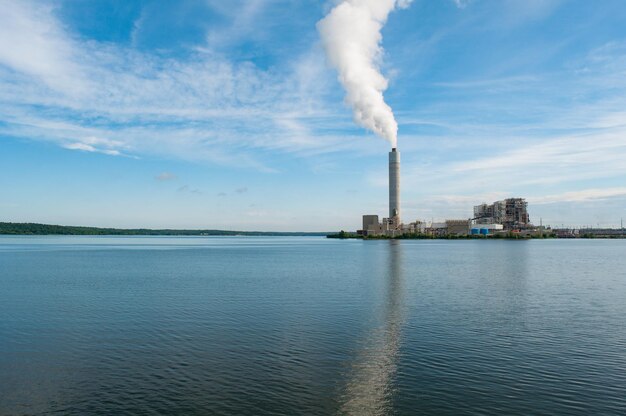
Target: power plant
{"x":501,"y":216}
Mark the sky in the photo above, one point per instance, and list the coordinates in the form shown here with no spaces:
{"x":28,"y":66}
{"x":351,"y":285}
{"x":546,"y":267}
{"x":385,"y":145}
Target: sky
{"x":227,"y":114}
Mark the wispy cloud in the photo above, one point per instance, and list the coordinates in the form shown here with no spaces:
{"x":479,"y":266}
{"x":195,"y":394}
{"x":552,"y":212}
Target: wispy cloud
{"x":89,"y":148}
{"x":461,"y":4}
{"x":57,"y":87}
{"x":95,"y":145}
{"x":33,"y":44}
{"x":580,"y":196}
{"x":165,"y":177}
{"x":188,"y":189}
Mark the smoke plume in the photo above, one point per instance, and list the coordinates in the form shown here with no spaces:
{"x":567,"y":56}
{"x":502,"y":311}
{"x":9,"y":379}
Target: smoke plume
{"x":351,"y":37}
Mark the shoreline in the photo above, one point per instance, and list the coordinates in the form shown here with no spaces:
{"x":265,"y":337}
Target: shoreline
{"x":11,"y":228}
{"x":509,"y":236}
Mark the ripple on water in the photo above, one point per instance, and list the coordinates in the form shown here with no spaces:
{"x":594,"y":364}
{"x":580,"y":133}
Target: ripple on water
{"x":311,"y":326}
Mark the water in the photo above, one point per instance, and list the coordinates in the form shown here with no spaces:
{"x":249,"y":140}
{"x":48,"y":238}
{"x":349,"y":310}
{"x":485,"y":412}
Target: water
{"x":253,"y":326}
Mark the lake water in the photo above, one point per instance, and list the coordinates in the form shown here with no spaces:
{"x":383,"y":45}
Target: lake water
{"x":304,"y":325}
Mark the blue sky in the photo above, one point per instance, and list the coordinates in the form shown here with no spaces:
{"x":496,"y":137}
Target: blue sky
{"x":215,"y":114}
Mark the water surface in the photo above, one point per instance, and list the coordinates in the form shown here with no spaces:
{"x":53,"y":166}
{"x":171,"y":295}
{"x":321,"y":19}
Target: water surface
{"x":306,"y":325}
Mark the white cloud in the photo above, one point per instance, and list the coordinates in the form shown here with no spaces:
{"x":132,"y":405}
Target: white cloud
{"x":242,"y":14}
{"x":80,"y":146}
{"x":91,"y":96}
{"x":461,"y":4}
{"x":589,"y":151}
{"x":33,"y":43}
{"x":89,"y":148}
{"x":580,"y":196}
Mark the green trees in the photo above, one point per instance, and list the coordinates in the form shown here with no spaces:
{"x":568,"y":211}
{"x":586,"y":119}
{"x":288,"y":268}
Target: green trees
{"x":47,"y":229}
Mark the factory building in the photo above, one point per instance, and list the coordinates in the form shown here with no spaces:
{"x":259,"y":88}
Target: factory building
{"x":512,"y":213}
{"x":509,"y":214}
{"x":457,"y":227}
{"x":371,"y":224}
{"x":448,"y":227}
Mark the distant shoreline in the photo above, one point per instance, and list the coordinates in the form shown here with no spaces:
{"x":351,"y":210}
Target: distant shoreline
{"x":10,"y":228}
{"x":28,"y":229}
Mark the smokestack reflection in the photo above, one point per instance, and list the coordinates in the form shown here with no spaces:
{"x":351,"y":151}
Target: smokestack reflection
{"x":369,"y":391}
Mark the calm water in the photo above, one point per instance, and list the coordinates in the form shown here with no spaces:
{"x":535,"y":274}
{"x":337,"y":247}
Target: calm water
{"x":253,"y":326}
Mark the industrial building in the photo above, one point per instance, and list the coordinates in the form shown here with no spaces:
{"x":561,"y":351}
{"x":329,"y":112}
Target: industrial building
{"x":507,"y":215}
{"x":486,"y":229}
{"x":457,"y":227}
{"x":512,"y":213}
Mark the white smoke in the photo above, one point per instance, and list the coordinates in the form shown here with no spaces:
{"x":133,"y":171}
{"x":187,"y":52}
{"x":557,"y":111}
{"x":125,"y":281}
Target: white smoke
{"x":351,"y":36}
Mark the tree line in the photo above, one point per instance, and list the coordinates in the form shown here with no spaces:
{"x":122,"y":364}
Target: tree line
{"x":12,"y":228}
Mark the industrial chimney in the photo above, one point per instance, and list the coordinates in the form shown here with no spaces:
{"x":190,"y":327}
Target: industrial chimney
{"x":394,"y":186}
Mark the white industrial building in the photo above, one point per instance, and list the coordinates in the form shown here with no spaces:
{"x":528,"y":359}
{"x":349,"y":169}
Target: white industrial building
{"x":511,"y":213}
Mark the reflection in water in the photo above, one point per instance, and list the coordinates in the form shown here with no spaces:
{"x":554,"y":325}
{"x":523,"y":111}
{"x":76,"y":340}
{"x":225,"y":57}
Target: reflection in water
{"x":370,"y":388}
{"x":265,"y":326}
{"x":504,"y":287}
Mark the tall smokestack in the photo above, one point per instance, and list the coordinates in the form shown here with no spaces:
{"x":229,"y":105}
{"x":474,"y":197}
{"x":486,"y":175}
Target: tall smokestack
{"x":394,"y":185}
